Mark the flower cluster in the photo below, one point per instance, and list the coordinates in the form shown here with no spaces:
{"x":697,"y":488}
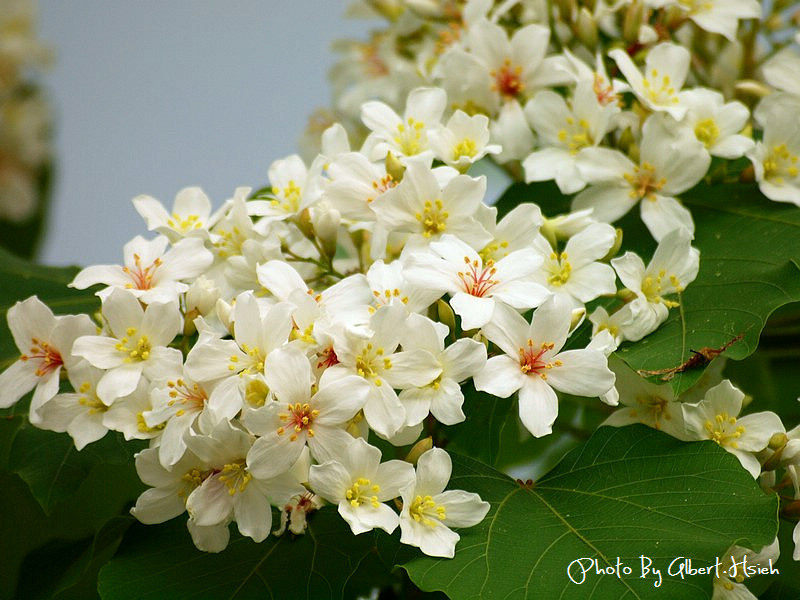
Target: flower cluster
{"x":24,"y":114}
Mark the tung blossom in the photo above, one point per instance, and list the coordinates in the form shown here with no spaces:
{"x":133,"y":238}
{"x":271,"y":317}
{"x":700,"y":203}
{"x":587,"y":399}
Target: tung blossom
{"x":534,"y":365}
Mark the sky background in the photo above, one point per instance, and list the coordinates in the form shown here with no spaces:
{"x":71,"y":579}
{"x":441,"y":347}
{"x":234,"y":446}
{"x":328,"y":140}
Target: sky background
{"x":153,"y":96}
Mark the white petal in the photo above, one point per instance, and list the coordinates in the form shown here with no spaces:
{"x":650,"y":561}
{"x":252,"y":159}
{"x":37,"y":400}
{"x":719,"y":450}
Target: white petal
{"x":538,"y":406}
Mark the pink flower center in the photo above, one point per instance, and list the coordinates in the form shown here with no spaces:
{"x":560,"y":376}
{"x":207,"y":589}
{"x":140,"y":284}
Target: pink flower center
{"x":50,"y":357}
{"x":508,"y":80}
{"x":477,"y":279}
{"x":142,"y":278}
{"x":532,"y":359}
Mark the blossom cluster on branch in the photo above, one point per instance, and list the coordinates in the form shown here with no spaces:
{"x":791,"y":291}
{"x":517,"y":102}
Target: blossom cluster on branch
{"x":268,"y":349}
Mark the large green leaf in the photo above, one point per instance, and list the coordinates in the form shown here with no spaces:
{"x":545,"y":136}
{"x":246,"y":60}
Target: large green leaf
{"x":487,"y":416}
{"x":53,"y":468}
{"x":327,"y":562}
{"x":627,"y":492}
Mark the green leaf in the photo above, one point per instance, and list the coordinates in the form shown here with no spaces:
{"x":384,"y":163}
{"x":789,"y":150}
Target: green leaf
{"x":24,"y":238}
{"x":22,"y":279}
{"x":748,"y":251}
{"x":627,"y":492}
{"x":327,"y":562}
{"x":487,"y":416}
{"x":53,"y":468}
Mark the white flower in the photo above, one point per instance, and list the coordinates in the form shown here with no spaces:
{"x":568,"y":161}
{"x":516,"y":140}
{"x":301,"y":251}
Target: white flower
{"x":151,"y":272}
{"x":658,"y":86}
{"x":515,"y":231}
{"x":643,"y":402}
{"x":716,"y":123}
{"x":390,"y":286}
{"x":534,"y":365}
{"x":230,"y":490}
{"x":354,"y":183}
{"x":575,"y":272}
{"x":429,"y":511}
{"x":463,"y":141}
{"x":359,"y":483}
{"x":459,"y":361}
{"x":776,"y":158}
{"x":475,"y":287}
{"x":671,"y":162}
{"x":136,"y":345}
{"x":425,"y":208}
{"x":374,"y":359}
{"x":294,"y":187}
{"x":79,"y":413}
{"x":564,"y":130}
{"x":300,"y":416}
{"x":406,"y":136}
{"x":721,"y":16}
{"x":191,"y":214}
{"x":716,"y":418}
{"x":45,"y":344}
{"x":236,"y":362}
{"x":674,"y":266}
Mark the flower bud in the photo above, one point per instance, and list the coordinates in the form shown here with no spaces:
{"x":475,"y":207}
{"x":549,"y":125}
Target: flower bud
{"x":632,"y":22}
{"x":420,"y":448}
{"x":394,"y":167}
{"x":778,"y":440}
{"x":586,"y":29}
{"x":615,"y":248}
{"x":751,"y":87}
{"x":446,"y":314}
{"x":578,"y":314}
{"x":326,"y":222}
{"x":202,"y":295}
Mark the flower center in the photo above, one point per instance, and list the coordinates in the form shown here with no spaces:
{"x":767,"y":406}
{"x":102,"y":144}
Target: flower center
{"x":370,"y":362}
{"x":659,"y":88}
{"x":184,"y":224}
{"x":409,"y":136}
{"x":288,"y":198}
{"x":388,"y":297}
{"x":88,"y":398}
{"x":363,"y":491}
{"x":327,"y":358}
{"x":384,"y":184}
{"x":707,"y":132}
{"x":653,"y":287}
{"x":508,"y":80}
{"x":299,"y":417}
{"x":235,"y":477}
{"x":477,"y":279}
{"x":433,"y":218}
{"x":424,"y":510}
{"x":143,"y":427}
{"x":229,"y":243}
{"x":724,"y":431}
{"x":780,"y":163}
{"x":255,"y":363}
{"x":532,"y":359}
{"x":136,"y":352}
{"x":256,"y":392}
{"x":192,"y":398}
{"x":50,"y":357}
{"x":141,"y":278}
{"x":192,"y":479}
{"x":604,"y":91}
{"x":576,"y":135}
{"x":654,"y":407}
{"x":466,"y":147}
{"x":559,"y":269}
{"x":644,"y":182}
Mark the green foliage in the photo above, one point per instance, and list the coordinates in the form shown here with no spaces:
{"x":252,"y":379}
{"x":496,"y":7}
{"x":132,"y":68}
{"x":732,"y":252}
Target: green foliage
{"x":626,"y":492}
{"x":328,"y":562}
{"x":24,"y":238}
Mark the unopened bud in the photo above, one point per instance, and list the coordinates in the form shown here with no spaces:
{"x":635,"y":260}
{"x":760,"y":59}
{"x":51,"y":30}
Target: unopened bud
{"x":549,"y":232}
{"x":188,"y":322}
{"x":578,"y":314}
{"x":394,"y":167}
{"x":304,"y":224}
{"x":326,"y":222}
{"x":615,"y":248}
{"x":586,"y":29}
{"x":626,"y":140}
{"x":626,"y":295}
{"x":201,"y":296}
{"x":778,"y":440}
{"x":420,"y":448}
{"x":632,"y":22}
{"x":751,"y":87}
{"x":746,"y":400}
{"x":446,"y":314}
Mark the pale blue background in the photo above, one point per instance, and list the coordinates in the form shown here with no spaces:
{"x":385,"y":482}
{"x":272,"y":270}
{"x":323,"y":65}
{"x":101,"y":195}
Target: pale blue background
{"x":154,"y":95}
